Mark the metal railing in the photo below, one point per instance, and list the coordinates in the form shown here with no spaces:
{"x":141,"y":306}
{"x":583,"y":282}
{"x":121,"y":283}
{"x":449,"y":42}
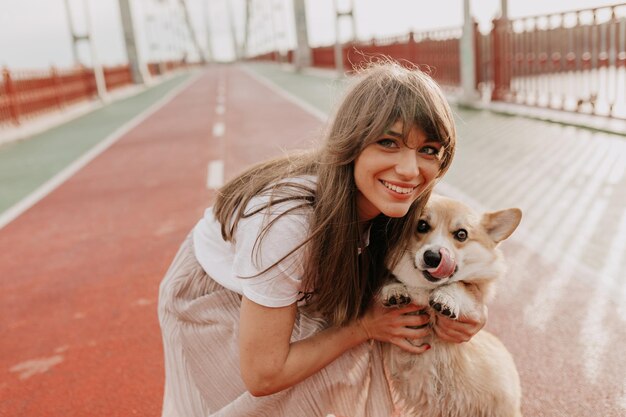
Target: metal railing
{"x":26,"y":94}
{"x":573,"y":61}
{"x":434,"y":51}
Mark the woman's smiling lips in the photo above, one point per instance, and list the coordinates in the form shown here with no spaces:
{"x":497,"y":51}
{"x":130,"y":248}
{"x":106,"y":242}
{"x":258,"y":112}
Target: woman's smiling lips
{"x":399,"y":188}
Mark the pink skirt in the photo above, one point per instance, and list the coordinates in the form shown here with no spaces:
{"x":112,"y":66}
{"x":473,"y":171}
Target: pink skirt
{"x":200,"y":321}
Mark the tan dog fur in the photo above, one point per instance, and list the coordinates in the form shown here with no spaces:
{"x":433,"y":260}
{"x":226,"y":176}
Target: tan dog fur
{"x":473,"y":379}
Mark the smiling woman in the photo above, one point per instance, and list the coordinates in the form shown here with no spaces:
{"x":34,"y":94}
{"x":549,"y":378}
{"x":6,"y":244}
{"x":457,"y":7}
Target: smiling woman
{"x":392,"y":172}
{"x":271,"y":294}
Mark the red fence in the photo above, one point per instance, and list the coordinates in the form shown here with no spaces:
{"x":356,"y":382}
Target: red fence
{"x":573,"y":61}
{"x":438,"y":50}
{"x":25,"y":94}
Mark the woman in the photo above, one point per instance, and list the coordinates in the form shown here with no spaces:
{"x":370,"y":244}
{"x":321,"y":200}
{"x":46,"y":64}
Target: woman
{"x":268,"y":308}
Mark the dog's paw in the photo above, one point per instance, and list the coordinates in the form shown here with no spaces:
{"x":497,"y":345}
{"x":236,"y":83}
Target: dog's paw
{"x":444,"y":304}
{"x":395,"y":295}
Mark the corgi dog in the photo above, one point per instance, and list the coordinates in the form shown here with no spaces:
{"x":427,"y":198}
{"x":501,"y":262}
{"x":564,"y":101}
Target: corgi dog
{"x":451,"y":264}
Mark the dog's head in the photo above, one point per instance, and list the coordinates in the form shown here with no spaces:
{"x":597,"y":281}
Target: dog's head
{"x":454,"y":243}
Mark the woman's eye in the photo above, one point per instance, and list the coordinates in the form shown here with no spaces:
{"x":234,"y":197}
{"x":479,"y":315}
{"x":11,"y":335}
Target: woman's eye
{"x":460,"y":235}
{"x":422,"y":226}
{"x":430,"y":150}
{"x":388,"y":143}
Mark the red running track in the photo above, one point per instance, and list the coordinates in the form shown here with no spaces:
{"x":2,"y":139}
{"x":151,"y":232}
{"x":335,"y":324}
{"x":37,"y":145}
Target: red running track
{"x":80,"y":270}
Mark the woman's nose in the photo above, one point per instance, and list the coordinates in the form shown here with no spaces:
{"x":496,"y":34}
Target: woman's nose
{"x":407,"y":165}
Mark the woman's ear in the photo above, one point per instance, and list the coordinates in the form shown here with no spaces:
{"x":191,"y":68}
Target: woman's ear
{"x":499,"y":225}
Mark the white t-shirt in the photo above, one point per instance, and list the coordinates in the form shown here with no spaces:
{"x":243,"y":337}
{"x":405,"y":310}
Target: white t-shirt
{"x":237,"y":265}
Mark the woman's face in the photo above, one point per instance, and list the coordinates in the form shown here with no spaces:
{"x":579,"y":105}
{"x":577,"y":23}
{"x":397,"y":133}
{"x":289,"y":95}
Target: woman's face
{"x":390,"y":175}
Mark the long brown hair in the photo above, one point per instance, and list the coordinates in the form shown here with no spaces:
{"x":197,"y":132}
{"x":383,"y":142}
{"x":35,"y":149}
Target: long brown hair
{"x":344,"y":282}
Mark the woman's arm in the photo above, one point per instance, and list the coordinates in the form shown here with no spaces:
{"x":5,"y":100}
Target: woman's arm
{"x":270,"y":363}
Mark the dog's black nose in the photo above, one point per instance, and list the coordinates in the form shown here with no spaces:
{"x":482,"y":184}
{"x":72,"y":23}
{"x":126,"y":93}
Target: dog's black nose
{"x":432,"y":259}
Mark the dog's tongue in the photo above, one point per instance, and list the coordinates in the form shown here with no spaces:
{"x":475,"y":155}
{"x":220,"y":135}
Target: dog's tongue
{"x":446,"y":266}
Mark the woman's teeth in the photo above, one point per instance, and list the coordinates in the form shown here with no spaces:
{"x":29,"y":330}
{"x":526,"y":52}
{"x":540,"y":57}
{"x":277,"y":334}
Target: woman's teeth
{"x":397,"y":189}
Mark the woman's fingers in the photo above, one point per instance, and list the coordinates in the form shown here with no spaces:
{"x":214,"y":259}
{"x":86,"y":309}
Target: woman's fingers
{"x":409,"y":333}
{"x":451,"y":335}
{"x":408,"y":309}
{"x":461,"y":330}
{"x":414,"y":319}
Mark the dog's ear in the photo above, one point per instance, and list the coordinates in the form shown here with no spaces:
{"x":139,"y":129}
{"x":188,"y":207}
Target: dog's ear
{"x":501,"y":224}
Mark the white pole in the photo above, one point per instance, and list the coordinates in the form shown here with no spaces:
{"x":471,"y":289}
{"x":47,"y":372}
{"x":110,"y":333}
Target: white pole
{"x":70,"y":23}
{"x":138,"y":69}
{"x":233,"y":30}
{"x":207,"y":28}
{"x":504,"y":9}
{"x":303,"y":57}
{"x":468,"y":60}
{"x":272,"y":19}
{"x":353,"y":21}
{"x":338,"y":44}
{"x":245,"y":47}
{"x":97,"y":67}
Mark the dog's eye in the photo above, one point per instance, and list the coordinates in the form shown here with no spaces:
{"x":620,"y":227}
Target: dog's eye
{"x":460,"y":235}
{"x":422,"y":226}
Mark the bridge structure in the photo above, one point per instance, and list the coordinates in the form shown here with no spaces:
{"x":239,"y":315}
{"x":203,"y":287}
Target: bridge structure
{"x":567,"y":62}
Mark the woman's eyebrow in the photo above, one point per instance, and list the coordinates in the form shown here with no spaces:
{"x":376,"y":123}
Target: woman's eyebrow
{"x":393,"y":133}
{"x":398,"y":135}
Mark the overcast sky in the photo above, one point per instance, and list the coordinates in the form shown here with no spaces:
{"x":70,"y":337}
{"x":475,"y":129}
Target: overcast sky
{"x":34,"y":33}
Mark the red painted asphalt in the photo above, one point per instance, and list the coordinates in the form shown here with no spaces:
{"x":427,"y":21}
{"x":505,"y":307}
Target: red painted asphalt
{"x":79,"y":271}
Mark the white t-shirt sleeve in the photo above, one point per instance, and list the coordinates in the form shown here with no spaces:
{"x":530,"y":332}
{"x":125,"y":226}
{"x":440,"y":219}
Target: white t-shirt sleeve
{"x":279,"y":285}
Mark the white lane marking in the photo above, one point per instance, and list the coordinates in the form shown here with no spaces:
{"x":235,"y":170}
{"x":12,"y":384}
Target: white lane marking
{"x":36,"y":366}
{"x":286,"y":95}
{"x":220,"y":109}
{"x":221,"y":99}
{"x":218,"y":129}
{"x":215,"y":175}
{"x":33,"y":198}
{"x":143,"y":302}
{"x":61,"y":349}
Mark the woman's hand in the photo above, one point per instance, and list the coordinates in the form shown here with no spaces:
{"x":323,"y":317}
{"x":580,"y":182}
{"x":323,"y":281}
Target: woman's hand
{"x":393,"y":325}
{"x":462,"y":329}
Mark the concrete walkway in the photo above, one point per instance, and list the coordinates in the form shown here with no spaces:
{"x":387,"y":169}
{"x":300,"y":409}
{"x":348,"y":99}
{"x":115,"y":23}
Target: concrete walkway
{"x":79,"y":270}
